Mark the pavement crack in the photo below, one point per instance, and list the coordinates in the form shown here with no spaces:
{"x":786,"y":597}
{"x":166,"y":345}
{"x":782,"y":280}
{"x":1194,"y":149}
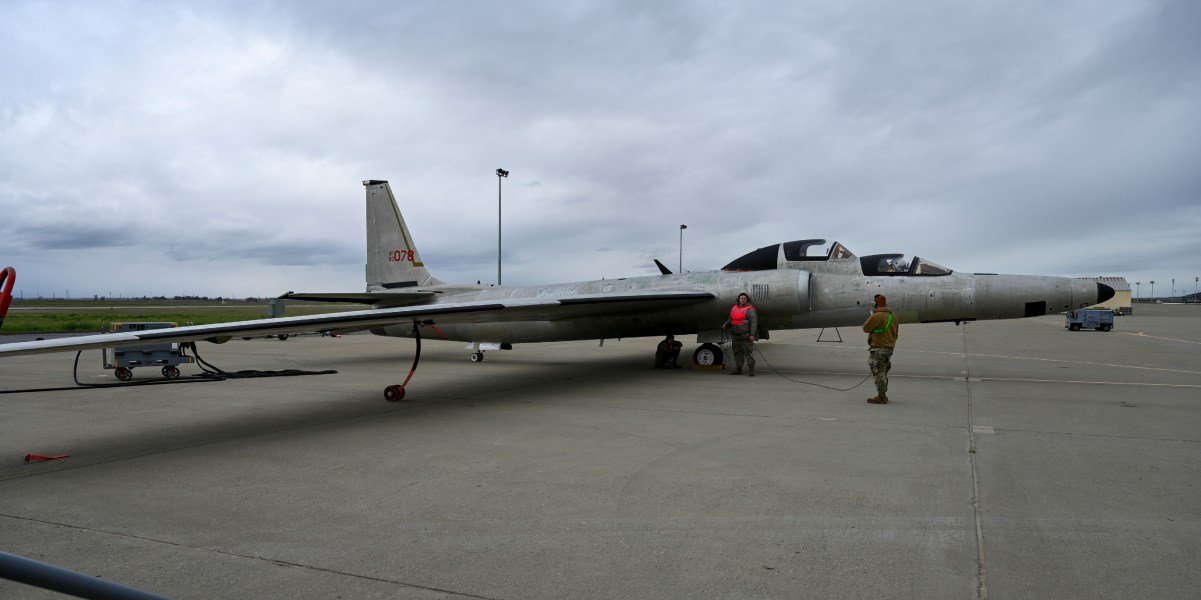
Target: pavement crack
{"x":981,"y":571}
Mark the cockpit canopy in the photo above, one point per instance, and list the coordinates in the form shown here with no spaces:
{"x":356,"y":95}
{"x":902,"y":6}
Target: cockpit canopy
{"x":894,"y":264}
{"x":777,"y":256}
{"x":782,"y":256}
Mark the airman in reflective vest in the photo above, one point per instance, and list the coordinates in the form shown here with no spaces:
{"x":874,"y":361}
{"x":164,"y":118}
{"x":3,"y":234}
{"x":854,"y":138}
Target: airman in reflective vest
{"x":743,"y":326}
{"x":882,"y":329}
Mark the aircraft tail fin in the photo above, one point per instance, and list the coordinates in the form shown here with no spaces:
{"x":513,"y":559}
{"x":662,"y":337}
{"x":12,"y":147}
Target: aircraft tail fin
{"x":392,"y":259}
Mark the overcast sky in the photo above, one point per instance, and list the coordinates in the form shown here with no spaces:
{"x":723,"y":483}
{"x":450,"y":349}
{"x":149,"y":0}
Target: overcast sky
{"x":218,"y":148}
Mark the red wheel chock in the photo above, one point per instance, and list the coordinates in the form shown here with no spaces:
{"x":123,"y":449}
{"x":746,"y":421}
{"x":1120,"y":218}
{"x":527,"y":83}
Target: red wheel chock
{"x":39,"y":458}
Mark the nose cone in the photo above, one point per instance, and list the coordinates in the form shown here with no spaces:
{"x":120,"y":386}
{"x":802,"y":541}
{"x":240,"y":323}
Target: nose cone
{"x":1104,"y":293}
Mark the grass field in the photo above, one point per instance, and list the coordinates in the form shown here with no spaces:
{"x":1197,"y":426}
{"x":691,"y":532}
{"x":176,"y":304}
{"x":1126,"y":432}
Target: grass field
{"x":84,"y":316}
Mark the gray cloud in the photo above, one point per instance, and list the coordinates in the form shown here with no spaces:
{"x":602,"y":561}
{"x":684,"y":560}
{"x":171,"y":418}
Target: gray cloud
{"x":222,"y":138}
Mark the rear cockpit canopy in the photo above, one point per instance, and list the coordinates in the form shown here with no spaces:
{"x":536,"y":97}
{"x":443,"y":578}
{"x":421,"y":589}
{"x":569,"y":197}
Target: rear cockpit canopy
{"x":781,"y":256}
{"x":894,"y":264}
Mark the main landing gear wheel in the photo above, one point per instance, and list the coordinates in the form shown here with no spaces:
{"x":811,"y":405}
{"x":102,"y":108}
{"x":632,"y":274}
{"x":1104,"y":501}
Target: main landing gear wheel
{"x":707,"y":355}
{"x":124,"y":373}
{"x":477,"y":357}
{"x":171,"y":372}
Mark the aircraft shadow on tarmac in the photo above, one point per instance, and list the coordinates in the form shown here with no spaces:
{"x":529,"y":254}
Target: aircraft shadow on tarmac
{"x":345,"y":403}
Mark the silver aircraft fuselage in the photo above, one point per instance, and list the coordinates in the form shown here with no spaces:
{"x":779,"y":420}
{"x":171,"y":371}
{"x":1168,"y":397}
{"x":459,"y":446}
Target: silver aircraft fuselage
{"x":827,"y":294}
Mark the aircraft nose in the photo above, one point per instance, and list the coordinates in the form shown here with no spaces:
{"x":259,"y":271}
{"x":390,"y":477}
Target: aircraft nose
{"x":1104,"y":293}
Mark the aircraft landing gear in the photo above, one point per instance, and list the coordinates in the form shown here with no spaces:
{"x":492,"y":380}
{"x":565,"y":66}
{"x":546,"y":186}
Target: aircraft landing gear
{"x":707,"y":355}
{"x":396,"y":393}
{"x":477,"y":357}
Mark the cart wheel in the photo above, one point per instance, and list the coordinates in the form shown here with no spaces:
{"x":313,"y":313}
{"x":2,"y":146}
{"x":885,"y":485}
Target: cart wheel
{"x":124,"y":373}
{"x":477,"y":356}
{"x":171,"y":372}
{"x":394,"y":393}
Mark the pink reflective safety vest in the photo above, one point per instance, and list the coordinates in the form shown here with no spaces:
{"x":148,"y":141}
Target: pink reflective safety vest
{"x":738,"y":314}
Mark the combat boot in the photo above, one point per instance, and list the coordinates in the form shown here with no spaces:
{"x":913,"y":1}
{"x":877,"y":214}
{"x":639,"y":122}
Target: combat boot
{"x":737,"y":371}
{"x":878,"y":399}
{"x":751,"y":372}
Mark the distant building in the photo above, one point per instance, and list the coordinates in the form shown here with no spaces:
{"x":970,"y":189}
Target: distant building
{"x":1120,"y":304}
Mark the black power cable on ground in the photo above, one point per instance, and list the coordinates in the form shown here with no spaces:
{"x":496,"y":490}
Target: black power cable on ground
{"x":777,"y":372}
{"x":210,"y":373}
{"x":218,"y":373}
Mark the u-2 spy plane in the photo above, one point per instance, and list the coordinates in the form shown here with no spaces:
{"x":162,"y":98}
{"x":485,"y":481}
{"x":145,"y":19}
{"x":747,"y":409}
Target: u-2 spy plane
{"x":791,"y":288}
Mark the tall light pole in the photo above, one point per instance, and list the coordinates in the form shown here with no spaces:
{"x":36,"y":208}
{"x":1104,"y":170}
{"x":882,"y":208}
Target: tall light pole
{"x":1195,"y":280}
{"x":682,"y":228}
{"x":1173,"y":288}
{"x":1137,"y":286}
{"x":1153,"y":289}
{"x":500,"y":175}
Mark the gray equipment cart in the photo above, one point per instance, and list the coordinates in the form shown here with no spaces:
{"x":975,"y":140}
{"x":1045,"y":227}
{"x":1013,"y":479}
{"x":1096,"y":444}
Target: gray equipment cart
{"x":1100,"y":319}
{"x":167,"y":355}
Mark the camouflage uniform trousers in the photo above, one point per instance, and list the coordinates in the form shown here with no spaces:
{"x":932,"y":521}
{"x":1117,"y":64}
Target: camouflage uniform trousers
{"x":880,"y":362}
{"x":743,"y":350}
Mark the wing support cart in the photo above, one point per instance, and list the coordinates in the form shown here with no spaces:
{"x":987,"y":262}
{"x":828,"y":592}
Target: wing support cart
{"x":124,"y":360}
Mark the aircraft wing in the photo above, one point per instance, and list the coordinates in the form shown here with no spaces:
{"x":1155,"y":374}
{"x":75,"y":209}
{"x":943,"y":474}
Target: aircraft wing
{"x":394,"y":298}
{"x":509,"y":310}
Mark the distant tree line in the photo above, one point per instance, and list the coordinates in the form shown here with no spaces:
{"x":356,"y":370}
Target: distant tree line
{"x":98,"y":297}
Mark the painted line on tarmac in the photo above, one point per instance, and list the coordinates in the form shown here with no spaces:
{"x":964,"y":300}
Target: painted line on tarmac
{"x":1056,"y":360}
{"x":1017,"y":379}
{"x":1158,"y":337}
{"x":1082,"y":362}
{"x":1139,"y":334}
{"x":1127,"y":383}
{"x":1014,"y":379}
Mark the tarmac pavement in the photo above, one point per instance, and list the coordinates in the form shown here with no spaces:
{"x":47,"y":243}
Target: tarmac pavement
{"x":1016,"y":460}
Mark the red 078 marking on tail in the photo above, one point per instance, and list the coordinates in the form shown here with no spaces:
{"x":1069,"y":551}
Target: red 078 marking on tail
{"x":400,"y":256}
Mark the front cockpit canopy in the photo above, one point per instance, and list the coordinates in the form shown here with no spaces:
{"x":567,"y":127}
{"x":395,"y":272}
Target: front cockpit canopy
{"x":778,"y":256}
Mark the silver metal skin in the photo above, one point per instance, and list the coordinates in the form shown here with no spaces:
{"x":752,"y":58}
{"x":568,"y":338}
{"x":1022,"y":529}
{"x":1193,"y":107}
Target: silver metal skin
{"x":793,"y":291}
{"x":812,"y":292}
